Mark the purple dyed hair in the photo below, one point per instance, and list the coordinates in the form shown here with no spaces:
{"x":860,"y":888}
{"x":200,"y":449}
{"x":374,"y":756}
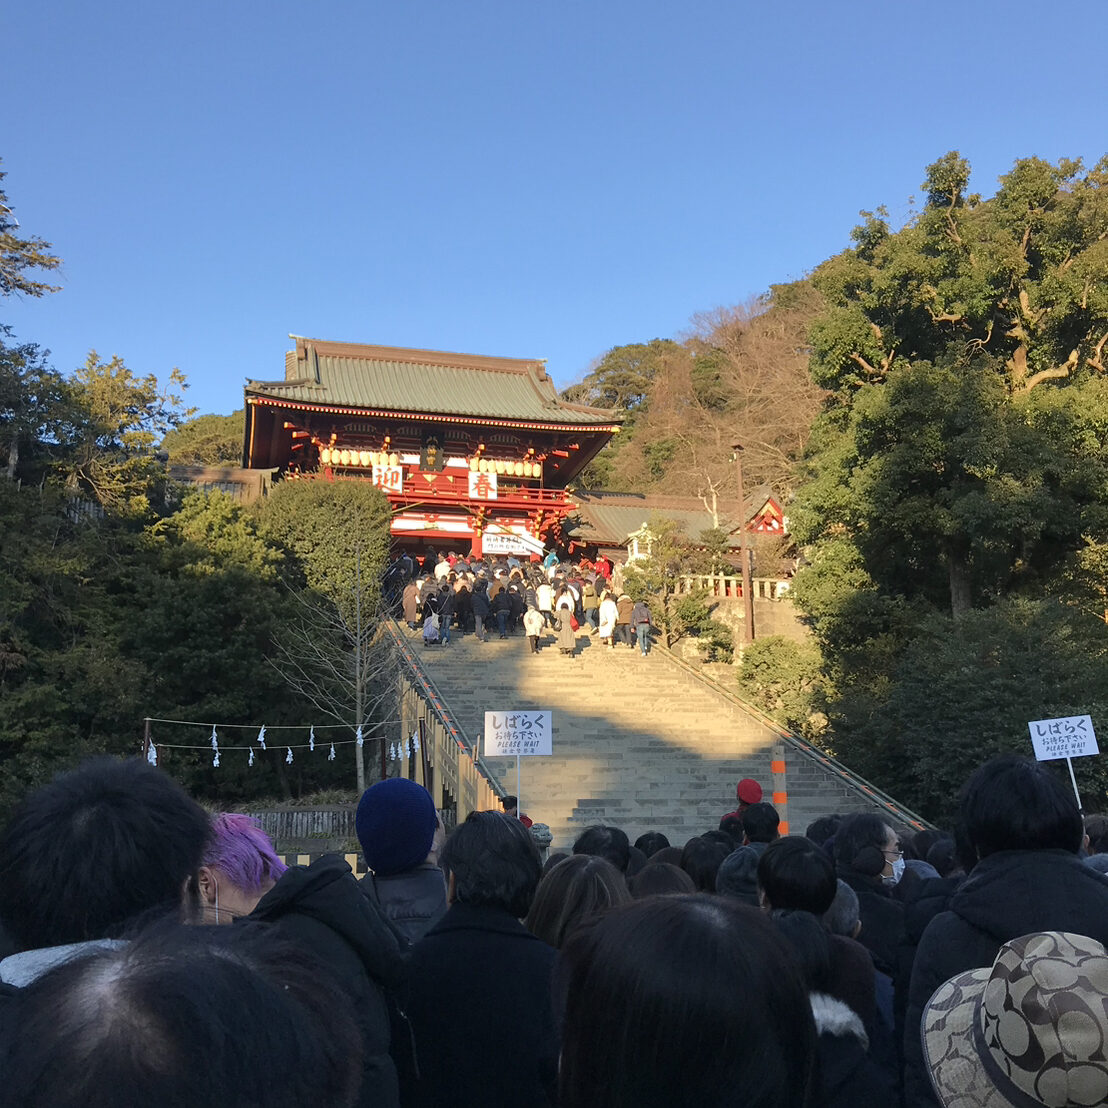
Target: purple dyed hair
{"x":242,"y":850}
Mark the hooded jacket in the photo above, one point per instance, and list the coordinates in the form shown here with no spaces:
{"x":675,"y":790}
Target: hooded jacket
{"x":1008,"y":894}
{"x":322,"y":908}
{"x":412,"y":901}
{"x":845,"y":1074}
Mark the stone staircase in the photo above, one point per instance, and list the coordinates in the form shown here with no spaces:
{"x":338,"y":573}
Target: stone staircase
{"x":638,"y":742}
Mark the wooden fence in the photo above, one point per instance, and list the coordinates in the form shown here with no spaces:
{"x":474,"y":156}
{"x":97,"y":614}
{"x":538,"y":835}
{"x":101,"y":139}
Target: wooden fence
{"x":721,"y":585}
{"x":444,"y":759}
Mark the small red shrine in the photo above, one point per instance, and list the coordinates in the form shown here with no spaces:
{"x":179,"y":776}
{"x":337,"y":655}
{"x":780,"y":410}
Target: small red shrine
{"x":471,"y":451}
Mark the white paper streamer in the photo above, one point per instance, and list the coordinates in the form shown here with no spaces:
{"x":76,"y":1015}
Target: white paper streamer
{"x":311,"y":738}
{"x":331,"y":756}
{"x":261,"y":737}
{"x":152,"y":754}
{"x":288,"y":756}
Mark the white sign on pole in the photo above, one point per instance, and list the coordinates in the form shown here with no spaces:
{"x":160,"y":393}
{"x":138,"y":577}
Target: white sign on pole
{"x":1068,"y":737}
{"x":512,"y":734}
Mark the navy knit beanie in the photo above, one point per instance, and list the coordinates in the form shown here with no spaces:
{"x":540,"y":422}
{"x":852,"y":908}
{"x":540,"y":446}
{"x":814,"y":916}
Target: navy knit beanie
{"x":396,"y":823}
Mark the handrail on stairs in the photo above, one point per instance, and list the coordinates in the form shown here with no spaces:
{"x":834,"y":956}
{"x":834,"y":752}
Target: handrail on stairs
{"x":803,"y":747}
{"x":438,"y":705}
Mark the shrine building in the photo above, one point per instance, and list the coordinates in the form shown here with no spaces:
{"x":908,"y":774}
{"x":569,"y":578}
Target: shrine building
{"x":471,"y":451}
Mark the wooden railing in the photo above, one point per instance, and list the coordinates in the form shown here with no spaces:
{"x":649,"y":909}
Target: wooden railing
{"x":447,"y":762}
{"x":721,"y":585}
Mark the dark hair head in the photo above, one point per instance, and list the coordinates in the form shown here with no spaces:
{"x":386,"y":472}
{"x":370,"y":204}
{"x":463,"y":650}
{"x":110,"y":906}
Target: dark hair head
{"x":609,"y":843}
{"x":917,"y":845}
{"x":192,"y":1015}
{"x":636,"y":859}
{"x":810,"y":943}
{"x":95,"y":849}
{"x":509,"y":802}
{"x":720,"y":837}
{"x":701,"y":859}
{"x":795,"y":873}
{"x":943,"y":855}
{"x":668,"y":854}
{"x":822,"y":829}
{"x":652,"y":842}
{"x":494,"y":861}
{"x":732,"y":825}
{"x":1013,"y":803}
{"x":859,"y":844}
{"x":660,"y":879}
{"x":552,"y":861}
{"x":760,"y":823}
{"x":658,"y":994}
{"x":571,"y":893}
{"x":1096,"y":827}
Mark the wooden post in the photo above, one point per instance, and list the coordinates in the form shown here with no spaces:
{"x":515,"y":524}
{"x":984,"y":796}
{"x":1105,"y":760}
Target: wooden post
{"x":748,"y":597}
{"x":780,"y":794}
{"x":427,"y":782}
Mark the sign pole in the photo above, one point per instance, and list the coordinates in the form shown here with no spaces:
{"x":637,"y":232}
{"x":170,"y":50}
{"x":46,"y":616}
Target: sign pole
{"x":519,"y":803}
{"x":1073,"y":779}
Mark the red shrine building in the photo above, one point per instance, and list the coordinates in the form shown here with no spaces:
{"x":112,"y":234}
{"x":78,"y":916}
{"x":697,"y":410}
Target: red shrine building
{"x":471,"y":451}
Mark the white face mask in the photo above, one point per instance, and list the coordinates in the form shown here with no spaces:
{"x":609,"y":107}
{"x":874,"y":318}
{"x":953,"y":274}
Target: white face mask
{"x":898,"y":872}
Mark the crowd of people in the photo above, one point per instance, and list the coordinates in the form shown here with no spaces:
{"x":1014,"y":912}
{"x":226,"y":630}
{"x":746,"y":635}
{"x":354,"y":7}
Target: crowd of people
{"x":160,"y":955}
{"x":444,"y":595}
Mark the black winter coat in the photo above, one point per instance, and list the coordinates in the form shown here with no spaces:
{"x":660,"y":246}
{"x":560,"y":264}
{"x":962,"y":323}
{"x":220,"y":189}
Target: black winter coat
{"x":478,"y":998}
{"x":480,"y":603}
{"x":882,"y":919}
{"x":1008,"y":894}
{"x":322,"y":908}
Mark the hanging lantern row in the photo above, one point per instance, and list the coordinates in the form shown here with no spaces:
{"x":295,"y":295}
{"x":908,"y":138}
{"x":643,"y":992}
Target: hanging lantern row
{"x":342,"y":456}
{"x":505,"y":468}
{"x":348,"y":458}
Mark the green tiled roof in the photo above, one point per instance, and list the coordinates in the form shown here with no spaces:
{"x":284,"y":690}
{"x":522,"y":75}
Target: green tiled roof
{"x":345,"y":375}
{"x":612,"y":517}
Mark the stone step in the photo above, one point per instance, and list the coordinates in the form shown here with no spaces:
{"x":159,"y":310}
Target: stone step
{"x":637,"y":742}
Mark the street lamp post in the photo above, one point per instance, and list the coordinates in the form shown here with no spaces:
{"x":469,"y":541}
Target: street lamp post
{"x":748,"y":593}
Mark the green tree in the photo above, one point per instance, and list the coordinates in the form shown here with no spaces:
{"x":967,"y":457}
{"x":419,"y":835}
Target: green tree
{"x":786,"y":680}
{"x":655,"y":579}
{"x":960,"y":459}
{"x":21,"y":256}
{"x":207,"y":440}
{"x":330,"y":527}
{"x":965,"y":690}
{"x":34,"y":406}
{"x":336,"y":653}
{"x":622,"y":379}
{"x":119,"y":420}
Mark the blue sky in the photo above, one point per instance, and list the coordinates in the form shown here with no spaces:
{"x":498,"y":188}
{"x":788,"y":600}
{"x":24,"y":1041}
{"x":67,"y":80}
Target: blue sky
{"x":522,"y":179}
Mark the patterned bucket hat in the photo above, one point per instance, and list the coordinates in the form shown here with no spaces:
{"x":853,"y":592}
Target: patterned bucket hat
{"x":1031,"y":1031}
